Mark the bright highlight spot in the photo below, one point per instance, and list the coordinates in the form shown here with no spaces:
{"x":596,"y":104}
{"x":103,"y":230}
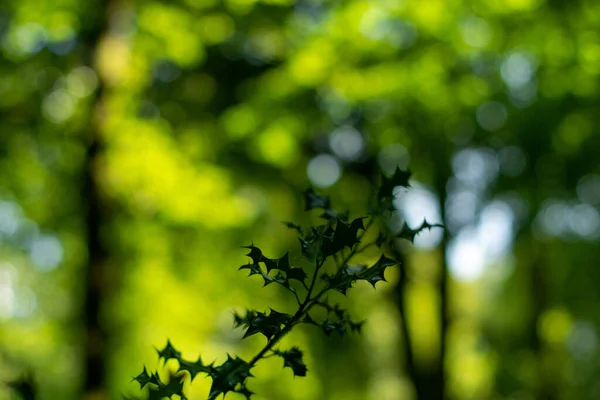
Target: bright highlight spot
{"x":465,"y":256}
{"x":516,"y":70}
{"x":10,"y":216}
{"x":323,"y":170}
{"x":347,"y":143}
{"x":475,"y":167}
{"x":46,"y":252}
{"x":7,"y":292}
{"x":58,"y":106}
{"x":417,"y":204}
{"x":475,"y":32}
{"x":561,"y":219}
{"x":81,"y":82}
{"x":474,"y":248}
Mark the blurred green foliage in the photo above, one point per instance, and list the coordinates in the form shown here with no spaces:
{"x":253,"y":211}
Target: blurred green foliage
{"x":198,"y":121}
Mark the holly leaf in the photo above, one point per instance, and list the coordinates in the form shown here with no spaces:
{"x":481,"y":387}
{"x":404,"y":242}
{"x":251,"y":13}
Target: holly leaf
{"x":344,"y":278}
{"x":24,"y":387}
{"x":400,"y":178}
{"x":313,"y":240}
{"x":243,"y":320}
{"x":228,"y":375}
{"x":174,"y":387}
{"x":345,"y":235}
{"x":255,"y":253}
{"x":297,"y":274}
{"x":356,"y":326}
{"x":293,"y":359}
{"x":143,"y":378}
{"x":381,"y":239}
{"x":168,"y":352}
{"x":329,"y":327}
{"x":254,"y":269}
{"x":278,"y":278}
{"x":294,"y":226}
{"x":193,"y":368}
{"x":282,"y":264}
{"x":162,"y":390}
{"x":338,"y":320}
{"x":376,"y":272}
{"x":313,"y":200}
{"x":258,"y":322}
{"x":310,"y":249}
{"x":409,"y":234}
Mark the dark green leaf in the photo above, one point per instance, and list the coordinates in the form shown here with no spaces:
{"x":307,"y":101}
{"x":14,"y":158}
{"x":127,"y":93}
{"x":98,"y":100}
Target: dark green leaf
{"x":143,"y":378}
{"x":168,"y":352}
{"x":297,"y":274}
{"x":356,"y":326}
{"x":345,"y":235}
{"x":375,"y":273}
{"x":255,"y":253}
{"x":292,"y":225}
{"x":381,"y":239}
{"x":168,"y":390}
{"x":313,"y":200}
{"x":409,"y":234}
{"x":258,"y":322}
{"x":228,"y":375}
{"x":400,"y":178}
{"x":24,"y":387}
{"x":254,"y":269}
{"x":346,"y":276}
{"x":193,"y":368}
{"x":293,"y":358}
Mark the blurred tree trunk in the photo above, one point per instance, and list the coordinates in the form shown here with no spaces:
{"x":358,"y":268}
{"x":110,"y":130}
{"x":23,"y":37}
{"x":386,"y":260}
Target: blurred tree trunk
{"x":429,"y":384}
{"x":441,"y":180}
{"x":95,"y":348}
{"x":399,"y":290}
{"x":539,"y":292}
{"x":95,"y":336}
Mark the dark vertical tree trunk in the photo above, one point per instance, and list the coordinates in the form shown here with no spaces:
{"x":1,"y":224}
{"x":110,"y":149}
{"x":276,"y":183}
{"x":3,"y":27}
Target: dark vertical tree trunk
{"x":95,"y":336}
{"x":429,"y":384}
{"x":442,"y":177}
{"x":95,"y":272}
{"x":399,"y":289}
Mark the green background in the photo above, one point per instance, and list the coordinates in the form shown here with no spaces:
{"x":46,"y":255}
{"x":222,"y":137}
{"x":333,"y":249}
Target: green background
{"x":143,"y":142}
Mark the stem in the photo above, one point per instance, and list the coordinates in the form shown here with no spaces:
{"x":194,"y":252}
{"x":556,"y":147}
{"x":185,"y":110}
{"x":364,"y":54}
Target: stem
{"x":296,"y":296}
{"x":308,"y":301}
{"x":345,"y":261}
{"x":302,"y":310}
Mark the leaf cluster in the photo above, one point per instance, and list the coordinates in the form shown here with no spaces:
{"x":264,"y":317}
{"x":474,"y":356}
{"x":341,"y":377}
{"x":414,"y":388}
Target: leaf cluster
{"x":333,"y":244}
